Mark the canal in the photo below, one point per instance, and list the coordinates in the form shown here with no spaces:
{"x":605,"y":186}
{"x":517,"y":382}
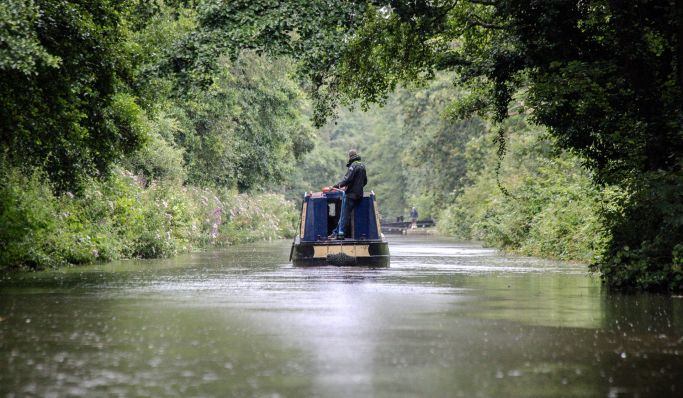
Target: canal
{"x":448,"y":319}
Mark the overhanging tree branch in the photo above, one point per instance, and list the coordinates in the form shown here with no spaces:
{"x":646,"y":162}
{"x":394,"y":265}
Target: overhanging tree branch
{"x":473,"y":20}
{"x":484,"y":2}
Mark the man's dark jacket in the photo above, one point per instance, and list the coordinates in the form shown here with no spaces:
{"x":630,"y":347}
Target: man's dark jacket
{"x":355,"y":179}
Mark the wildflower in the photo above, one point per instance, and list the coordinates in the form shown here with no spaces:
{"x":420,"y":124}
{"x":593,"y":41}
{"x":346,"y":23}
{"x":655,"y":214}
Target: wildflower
{"x":214,"y":231}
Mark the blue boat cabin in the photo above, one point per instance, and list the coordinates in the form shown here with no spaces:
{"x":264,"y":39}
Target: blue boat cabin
{"x":321,"y":211}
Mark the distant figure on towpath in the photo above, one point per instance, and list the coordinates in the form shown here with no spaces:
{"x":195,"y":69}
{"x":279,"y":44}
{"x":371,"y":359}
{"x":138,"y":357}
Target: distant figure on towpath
{"x":353,"y":182}
{"x":413,"y":216}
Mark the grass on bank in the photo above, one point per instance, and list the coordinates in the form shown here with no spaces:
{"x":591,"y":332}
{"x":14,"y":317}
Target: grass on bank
{"x":127,"y":217}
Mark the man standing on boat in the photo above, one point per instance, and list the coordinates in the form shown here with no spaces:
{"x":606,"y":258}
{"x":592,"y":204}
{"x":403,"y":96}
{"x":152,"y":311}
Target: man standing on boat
{"x":353,"y":182}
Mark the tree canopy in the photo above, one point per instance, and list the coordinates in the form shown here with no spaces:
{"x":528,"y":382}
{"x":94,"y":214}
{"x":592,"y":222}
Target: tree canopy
{"x":61,"y":63}
{"x":85,"y":85}
{"x":604,"y":77}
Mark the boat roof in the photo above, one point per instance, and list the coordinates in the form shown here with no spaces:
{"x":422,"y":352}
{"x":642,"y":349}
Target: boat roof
{"x":326,"y":194}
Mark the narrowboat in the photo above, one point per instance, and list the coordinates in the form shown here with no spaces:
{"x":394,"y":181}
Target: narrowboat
{"x":364,"y":244}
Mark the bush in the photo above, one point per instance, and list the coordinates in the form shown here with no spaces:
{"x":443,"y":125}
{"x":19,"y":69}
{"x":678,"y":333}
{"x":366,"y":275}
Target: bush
{"x":124,"y":216}
{"x":261,"y":217}
{"x":644,"y":250}
{"x":159,"y":160}
{"x":549,"y":207}
{"x":29,"y":229}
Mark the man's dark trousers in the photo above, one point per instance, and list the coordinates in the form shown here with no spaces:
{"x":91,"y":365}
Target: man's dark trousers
{"x":348,"y":205}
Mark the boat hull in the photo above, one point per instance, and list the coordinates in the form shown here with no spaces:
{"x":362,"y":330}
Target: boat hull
{"x":346,"y":252}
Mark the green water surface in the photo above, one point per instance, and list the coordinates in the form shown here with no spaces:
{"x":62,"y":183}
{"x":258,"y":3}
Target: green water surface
{"x":447,"y":319}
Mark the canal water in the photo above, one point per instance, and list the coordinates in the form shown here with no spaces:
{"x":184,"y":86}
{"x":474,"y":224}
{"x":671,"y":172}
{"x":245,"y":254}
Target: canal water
{"x":448,"y":319}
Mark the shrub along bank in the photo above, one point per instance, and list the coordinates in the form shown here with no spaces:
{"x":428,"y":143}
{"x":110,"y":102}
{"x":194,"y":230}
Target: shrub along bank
{"x":124,"y":217}
{"x":537,"y":202}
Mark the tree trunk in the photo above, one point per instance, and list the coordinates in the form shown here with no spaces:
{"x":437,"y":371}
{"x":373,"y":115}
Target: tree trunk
{"x":679,"y":39}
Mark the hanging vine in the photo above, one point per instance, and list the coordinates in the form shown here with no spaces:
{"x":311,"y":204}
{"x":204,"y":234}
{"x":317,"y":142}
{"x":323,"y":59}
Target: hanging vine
{"x":502,"y":150}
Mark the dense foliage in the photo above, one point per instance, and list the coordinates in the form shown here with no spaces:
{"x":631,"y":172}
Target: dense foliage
{"x":605,"y":77}
{"x":121,"y":218}
{"x":108,"y":152}
{"x":536,"y":202}
{"x":60,"y":65}
{"x":239,"y":122}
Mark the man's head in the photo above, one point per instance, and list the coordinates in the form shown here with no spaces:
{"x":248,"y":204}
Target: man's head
{"x":353,"y":156}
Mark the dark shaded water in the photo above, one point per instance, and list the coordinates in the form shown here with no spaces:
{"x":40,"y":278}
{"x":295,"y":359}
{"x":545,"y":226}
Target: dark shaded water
{"x":447,"y":319}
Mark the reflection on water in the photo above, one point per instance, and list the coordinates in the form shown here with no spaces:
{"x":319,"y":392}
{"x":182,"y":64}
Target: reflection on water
{"x":447,"y":319}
